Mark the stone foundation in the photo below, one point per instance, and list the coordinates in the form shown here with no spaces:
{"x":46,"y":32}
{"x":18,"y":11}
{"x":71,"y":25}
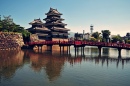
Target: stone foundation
{"x":10,"y":40}
{"x":54,"y":48}
{"x":34,"y":38}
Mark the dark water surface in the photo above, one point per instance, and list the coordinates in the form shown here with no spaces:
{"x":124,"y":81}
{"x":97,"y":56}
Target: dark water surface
{"x":31,"y":68}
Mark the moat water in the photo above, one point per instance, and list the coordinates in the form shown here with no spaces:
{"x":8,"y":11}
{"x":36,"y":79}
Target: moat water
{"x":32,"y":68}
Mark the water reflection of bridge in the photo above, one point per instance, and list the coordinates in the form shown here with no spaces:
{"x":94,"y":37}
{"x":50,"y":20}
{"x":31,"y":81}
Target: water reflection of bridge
{"x":52,"y":63}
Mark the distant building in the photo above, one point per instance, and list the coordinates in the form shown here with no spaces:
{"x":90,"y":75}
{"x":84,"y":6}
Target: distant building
{"x":127,"y":37}
{"x":87,"y":36}
{"x":78,"y":36}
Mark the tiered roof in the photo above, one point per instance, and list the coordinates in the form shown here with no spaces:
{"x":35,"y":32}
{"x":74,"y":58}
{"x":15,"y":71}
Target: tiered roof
{"x":57,"y":33}
{"x":53,"y":12}
{"x":41,"y":29}
{"x":54,"y":27}
{"x":53,"y":18}
{"x":36,"y":22}
{"x":55,"y":23}
{"x":59,"y":29}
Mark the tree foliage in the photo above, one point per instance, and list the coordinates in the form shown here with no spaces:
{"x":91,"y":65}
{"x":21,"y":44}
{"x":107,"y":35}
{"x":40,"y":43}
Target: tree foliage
{"x":128,"y":34}
{"x":116,"y":38}
{"x":92,"y":39}
{"x":7,"y":25}
{"x":128,"y":41}
{"x":105,"y":34}
{"x":96,"y":35}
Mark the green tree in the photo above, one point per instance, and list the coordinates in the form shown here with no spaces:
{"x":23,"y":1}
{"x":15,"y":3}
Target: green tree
{"x":96,"y":35}
{"x":7,"y":25}
{"x":128,"y":36}
{"x":116,"y":38}
{"x":105,"y":34}
{"x":128,"y":41}
{"x":92,"y":39}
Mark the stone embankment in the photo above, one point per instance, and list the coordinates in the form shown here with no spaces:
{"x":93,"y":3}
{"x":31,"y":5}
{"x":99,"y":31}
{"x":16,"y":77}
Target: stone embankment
{"x":10,"y":40}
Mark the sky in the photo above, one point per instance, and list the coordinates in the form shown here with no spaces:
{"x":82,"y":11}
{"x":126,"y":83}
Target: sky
{"x":113,"y":15}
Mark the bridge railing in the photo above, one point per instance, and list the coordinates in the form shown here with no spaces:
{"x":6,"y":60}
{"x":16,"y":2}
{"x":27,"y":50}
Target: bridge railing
{"x":122,"y":45}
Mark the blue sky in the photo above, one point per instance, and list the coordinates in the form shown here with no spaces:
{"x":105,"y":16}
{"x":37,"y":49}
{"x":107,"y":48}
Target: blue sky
{"x":113,"y":15}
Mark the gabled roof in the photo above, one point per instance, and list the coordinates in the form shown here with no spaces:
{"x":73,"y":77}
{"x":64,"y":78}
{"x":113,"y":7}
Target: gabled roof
{"x":36,"y":21}
{"x":43,"y":28}
{"x":38,"y":28}
{"x":60,"y":29}
{"x":53,"y":18}
{"x":58,"y":33}
{"x":42,"y":34}
{"x":53,"y":12}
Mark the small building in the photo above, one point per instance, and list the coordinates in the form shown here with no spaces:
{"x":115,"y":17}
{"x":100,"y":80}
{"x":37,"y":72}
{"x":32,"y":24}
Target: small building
{"x":87,"y":36}
{"x":78,"y":36}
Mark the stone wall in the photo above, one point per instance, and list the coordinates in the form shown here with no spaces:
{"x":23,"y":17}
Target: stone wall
{"x":10,"y":40}
{"x":34,"y":38}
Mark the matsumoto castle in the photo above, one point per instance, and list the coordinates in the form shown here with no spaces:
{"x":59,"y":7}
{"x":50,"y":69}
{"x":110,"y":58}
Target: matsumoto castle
{"x":53,"y":29}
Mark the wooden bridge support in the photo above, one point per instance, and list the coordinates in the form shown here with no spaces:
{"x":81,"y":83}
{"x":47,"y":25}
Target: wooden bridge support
{"x":119,"y":52}
{"x":31,"y":47}
{"x":82,"y":50}
{"x":49,"y":47}
{"x":63,"y":49}
{"x":60,"y":49}
{"x":40,"y":47}
{"x":69,"y":49}
{"x":99,"y":48}
{"x":77,"y":50}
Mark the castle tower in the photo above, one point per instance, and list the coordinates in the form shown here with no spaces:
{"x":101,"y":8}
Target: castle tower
{"x":54,"y":23}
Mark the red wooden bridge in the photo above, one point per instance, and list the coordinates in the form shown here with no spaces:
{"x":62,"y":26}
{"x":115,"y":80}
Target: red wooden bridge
{"x":82,"y":44}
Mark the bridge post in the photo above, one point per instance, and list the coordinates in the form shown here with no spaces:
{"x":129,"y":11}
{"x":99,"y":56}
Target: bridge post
{"x":75,"y":50}
{"x":49,"y":47}
{"x":60,"y":49}
{"x":119,"y":52}
{"x":41,"y":47}
{"x":37,"y":47}
{"x":69,"y":49}
{"x":99,"y":48}
{"x":83,"y":50}
{"x":63,"y":49}
{"x":31,"y":47}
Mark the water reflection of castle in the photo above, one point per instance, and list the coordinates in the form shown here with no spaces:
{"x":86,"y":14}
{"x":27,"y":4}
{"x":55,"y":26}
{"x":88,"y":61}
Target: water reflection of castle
{"x":52,"y":63}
